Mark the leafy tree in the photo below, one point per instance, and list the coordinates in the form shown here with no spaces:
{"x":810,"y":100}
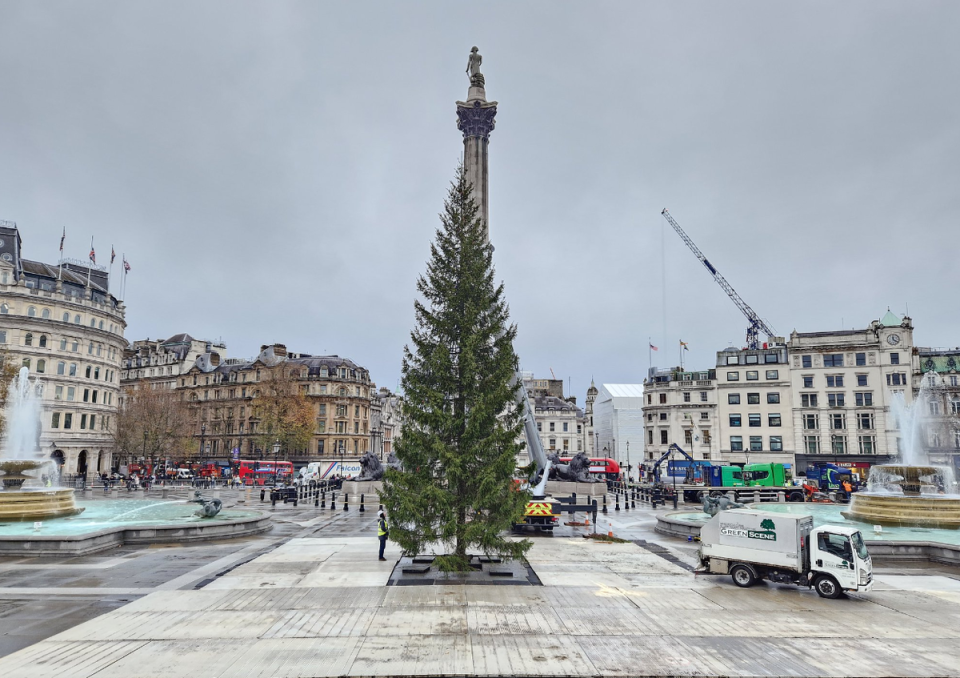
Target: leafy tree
{"x":282,"y":410}
{"x":461,"y":425}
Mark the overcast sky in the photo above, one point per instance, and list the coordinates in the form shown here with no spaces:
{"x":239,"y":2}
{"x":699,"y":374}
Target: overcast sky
{"x":273,"y":171}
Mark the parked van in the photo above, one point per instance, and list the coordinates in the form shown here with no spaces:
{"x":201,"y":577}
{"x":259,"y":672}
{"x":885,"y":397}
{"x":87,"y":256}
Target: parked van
{"x":184,"y":474}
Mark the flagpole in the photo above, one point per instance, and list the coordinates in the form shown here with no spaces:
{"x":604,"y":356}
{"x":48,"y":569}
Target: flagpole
{"x":89,"y":266}
{"x":681,"y":356}
{"x":110,"y":274}
{"x":649,"y":353}
{"x":62,"y":238}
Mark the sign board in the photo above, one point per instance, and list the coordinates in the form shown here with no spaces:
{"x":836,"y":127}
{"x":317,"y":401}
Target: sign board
{"x":349,"y":469}
{"x":236,"y":453}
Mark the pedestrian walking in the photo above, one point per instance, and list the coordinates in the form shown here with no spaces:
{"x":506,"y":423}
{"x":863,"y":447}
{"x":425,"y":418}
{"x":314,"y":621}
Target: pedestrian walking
{"x":382,"y":532}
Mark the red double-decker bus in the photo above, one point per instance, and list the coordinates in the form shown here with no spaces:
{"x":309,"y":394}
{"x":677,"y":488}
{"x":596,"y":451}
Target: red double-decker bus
{"x":259,"y":472}
{"x":608,"y":469}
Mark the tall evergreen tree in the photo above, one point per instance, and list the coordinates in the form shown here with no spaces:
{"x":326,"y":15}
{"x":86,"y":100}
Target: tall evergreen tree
{"x":461,"y":423}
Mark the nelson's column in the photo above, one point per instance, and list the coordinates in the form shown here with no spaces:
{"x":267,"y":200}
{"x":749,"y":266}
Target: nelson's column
{"x":475,"y":118}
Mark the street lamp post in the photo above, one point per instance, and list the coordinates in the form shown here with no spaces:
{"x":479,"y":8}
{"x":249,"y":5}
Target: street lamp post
{"x":341,"y":460}
{"x":628,"y":461}
{"x":203,"y":432}
{"x":276,"y":464}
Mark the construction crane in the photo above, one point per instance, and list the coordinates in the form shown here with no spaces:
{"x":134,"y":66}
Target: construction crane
{"x":757,"y":324}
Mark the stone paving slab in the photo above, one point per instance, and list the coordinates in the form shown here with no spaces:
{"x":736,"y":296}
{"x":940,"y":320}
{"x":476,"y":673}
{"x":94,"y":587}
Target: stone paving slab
{"x":600,"y":623}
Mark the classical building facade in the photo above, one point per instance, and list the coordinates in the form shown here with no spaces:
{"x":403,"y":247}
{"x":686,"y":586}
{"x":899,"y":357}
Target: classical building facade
{"x":223,"y":395}
{"x":384,"y":422}
{"x":560,"y":423}
{"x":843,"y":384}
{"x":62,"y":323}
{"x":160,"y":363}
{"x":754,"y":414}
{"x":680,"y":406}
{"x":937,"y":389}
{"x":589,"y":439}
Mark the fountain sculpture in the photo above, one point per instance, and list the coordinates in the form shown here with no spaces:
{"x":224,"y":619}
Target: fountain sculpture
{"x":28,"y":478}
{"x":912,"y":492}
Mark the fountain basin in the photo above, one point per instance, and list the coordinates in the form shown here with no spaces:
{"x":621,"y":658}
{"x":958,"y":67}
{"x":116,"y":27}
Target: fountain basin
{"x":20,"y":505}
{"x":938,"y":512}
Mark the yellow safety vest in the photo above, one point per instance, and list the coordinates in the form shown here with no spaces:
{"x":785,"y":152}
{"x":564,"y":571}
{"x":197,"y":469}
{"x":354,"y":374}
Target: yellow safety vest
{"x":382,"y":527}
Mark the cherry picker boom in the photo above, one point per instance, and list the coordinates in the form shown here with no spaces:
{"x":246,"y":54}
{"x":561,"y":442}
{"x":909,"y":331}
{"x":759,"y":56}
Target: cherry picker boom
{"x":756,"y":322}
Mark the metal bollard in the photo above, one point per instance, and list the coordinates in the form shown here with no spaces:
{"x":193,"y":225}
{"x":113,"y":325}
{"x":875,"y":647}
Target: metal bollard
{"x":617,"y":496}
{"x":361,"y":504}
{"x":346,"y":497}
{"x":323,"y":499}
{"x":605,"y":511}
{"x":674,"y":500}
{"x":263,"y":492}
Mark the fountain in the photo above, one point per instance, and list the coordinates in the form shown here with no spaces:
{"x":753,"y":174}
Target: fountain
{"x":912,"y":492}
{"x":23,"y":470}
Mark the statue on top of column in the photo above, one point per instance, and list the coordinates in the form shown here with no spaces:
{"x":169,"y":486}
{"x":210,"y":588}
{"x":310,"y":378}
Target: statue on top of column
{"x":473,"y":67}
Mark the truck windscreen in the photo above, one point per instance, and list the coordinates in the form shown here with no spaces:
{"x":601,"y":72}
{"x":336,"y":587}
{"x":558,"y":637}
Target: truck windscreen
{"x":859,"y":546}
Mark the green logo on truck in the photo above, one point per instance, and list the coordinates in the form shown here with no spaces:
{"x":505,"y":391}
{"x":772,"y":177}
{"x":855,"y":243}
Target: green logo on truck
{"x":768,"y":533}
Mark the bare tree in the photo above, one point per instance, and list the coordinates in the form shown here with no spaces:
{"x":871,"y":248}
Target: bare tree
{"x":153,"y":423}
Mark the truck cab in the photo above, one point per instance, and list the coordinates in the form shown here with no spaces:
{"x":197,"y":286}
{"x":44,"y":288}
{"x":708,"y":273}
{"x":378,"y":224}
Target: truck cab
{"x":830,"y":478}
{"x":839,"y":553}
{"x":725,"y":476}
{"x":766,"y":475}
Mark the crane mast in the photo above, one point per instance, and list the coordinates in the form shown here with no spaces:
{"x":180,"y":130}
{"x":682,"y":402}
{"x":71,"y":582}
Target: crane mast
{"x":756,"y":322}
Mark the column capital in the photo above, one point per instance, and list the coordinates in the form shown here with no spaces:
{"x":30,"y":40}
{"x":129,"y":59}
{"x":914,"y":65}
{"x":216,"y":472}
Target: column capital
{"x":476,"y":118}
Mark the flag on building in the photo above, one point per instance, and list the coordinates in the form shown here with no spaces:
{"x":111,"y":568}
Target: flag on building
{"x":684,"y":345}
{"x":113,"y":255}
{"x":63,"y":237}
{"x":93,"y":253}
{"x":126,"y":265}
{"x":653,"y":348}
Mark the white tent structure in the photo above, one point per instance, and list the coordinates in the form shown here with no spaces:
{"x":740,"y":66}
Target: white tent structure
{"x":618,"y":424}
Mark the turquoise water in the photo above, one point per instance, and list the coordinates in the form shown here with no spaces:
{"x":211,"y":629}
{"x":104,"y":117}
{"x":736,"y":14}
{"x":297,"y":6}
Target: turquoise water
{"x":101,"y":515}
{"x":829,"y":514}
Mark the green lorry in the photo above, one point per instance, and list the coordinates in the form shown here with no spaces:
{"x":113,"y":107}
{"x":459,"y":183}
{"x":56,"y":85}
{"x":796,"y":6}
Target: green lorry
{"x":767,"y":475}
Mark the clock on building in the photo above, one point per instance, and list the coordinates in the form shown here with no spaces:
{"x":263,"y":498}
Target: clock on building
{"x":893,"y":339}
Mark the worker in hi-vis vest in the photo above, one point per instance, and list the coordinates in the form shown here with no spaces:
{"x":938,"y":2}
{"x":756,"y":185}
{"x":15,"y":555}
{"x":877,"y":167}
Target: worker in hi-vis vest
{"x":382,"y":532}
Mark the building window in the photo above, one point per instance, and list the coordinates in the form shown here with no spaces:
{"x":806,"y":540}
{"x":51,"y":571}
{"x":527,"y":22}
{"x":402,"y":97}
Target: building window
{"x":806,"y":361}
{"x":955,"y":405}
{"x":649,"y":436}
{"x":733,"y":376}
{"x":934,"y":406}
{"x":953,"y":380}
{"x":896,"y":379}
{"x":753,"y":375}
{"x":773,"y":374}
{"x":663,"y":437}
{"x":565,"y":427}
{"x":26,"y":363}
{"x":552,"y":427}
{"x":861,"y":380}
{"x":55,"y":420}
{"x":868,"y":444}
{"x":703,"y":396}
{"x":811,"y":422}
{"x":754,"y":420}
{"x":770,"y":358}
{"x":61,"y":367}
{"x":67,"y":420}
{"x":686,"y":396}
{"x":32,"y":311}
{"x":41,"y":366}
{"x":776,"y":443}
{"x":773,"y":398}
{"x":73,"y":369}
{"x":663,"y":416}
{"x":688,"y":437}
{"x":566,"y":445}
{"x":773,"y":420}
{"x":865,"y":421}
{"x":811,"y":444}
{"x":706,"y":437}
{"x":808,"y":400}
{"x":28,"y":340}
{"x":756,"y":443}
{"x":833,"y":360}
{"x":834,"y":381}
{"x":835,"y":399}
{"x":733,"y":398}
{"x":838,"y":444}
{"x":43,"y":341}
{"x":736,"y":443}
{"x":735,"y":420}
{"x":704,"y":416}
{"x":540,"y":427}
{"x":4,"y":309}
{"x":3,"y":336}
{"x":861,"y":359}
{"x":733,"y":360}
{"x":808,"y":382}
{"x":894,"y":358}
{"x":58,"y":393}
{"x":752,"y":359}
{"x":864,"y":399}
{"x":753,"y":399}
{"x":838,"y":421}
{"x":663,"y":398}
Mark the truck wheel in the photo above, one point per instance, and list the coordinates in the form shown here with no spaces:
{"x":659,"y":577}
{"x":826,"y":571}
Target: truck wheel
{"x":743,"y":576}
{"x":827,"y":587}
{"x":795,"y":496}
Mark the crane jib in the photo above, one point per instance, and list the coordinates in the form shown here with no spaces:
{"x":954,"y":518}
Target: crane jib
{"x":709,"y":267}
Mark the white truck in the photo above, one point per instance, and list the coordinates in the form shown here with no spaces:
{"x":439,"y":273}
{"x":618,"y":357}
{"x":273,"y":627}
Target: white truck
{"x":751,"y":545}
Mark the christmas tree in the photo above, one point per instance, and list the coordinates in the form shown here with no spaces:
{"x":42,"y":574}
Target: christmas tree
{"x":461,"y":422}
